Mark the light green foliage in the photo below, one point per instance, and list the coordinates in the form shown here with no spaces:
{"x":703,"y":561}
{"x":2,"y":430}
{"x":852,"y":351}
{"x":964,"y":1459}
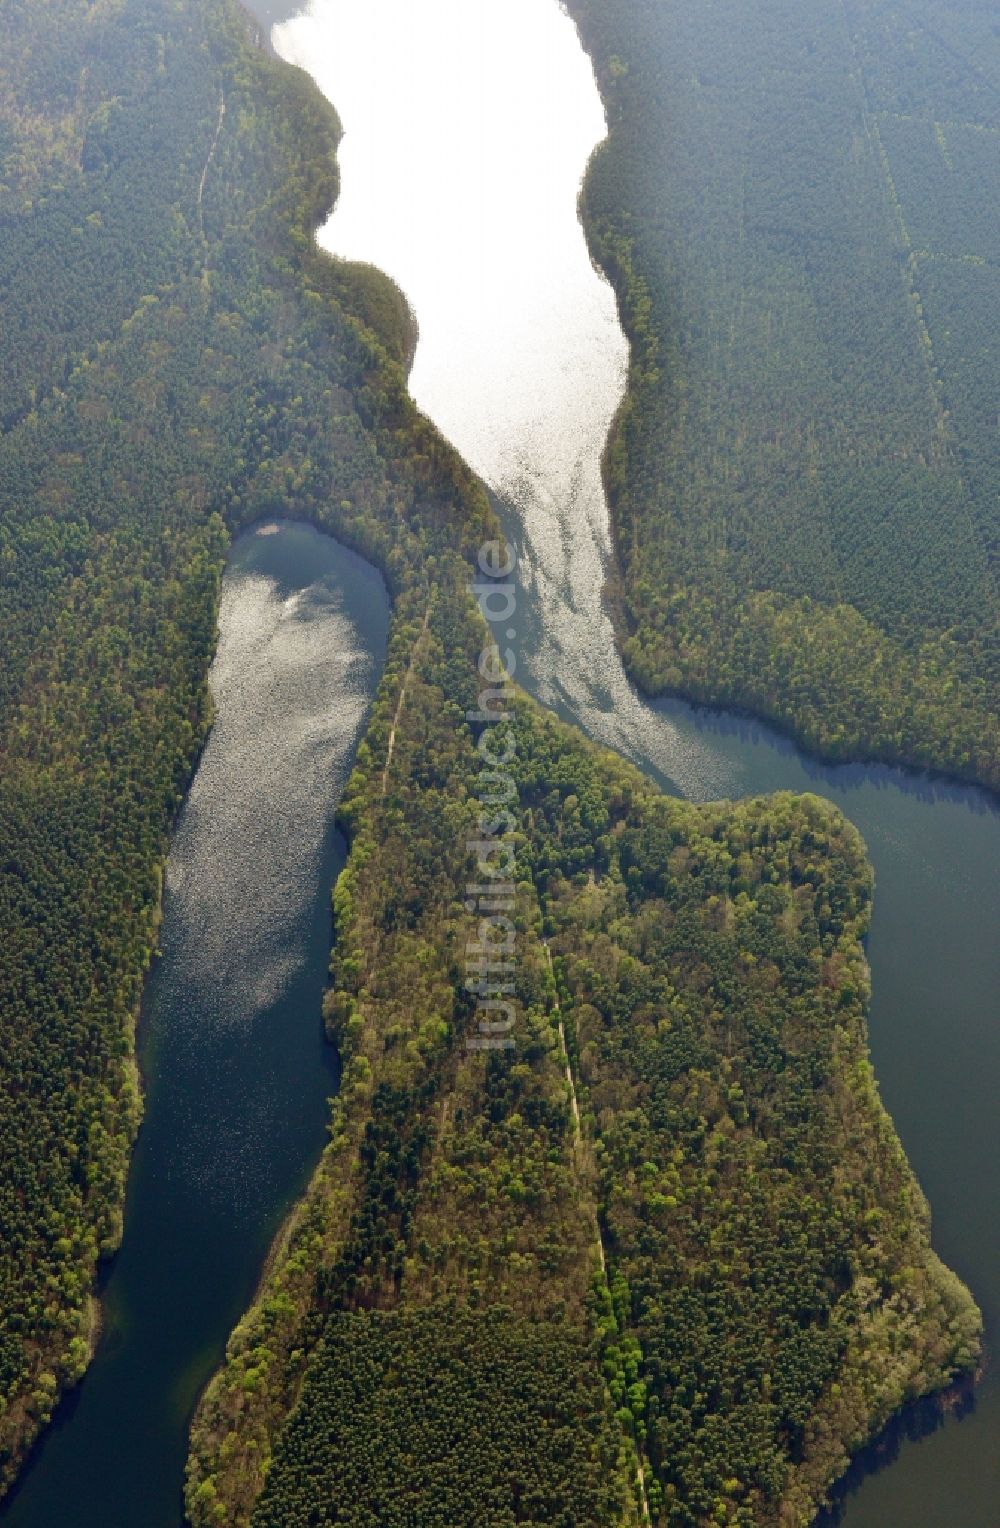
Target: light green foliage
{"x":771,"y":1296}
{"x":762,"y":1226}
{"x":180,"y":365}
{"x":171,"y":372}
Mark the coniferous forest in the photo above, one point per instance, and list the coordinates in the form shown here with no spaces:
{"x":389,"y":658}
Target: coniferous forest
{"x":798,"y":209}
{"x":664,"y":1261}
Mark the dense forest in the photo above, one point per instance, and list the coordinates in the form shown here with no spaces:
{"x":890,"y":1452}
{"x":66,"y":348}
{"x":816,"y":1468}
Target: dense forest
{"x":177,"y":362}
{"x":731,"y":1223}
{"x":664,"y":1307}
{"x":798,"y":208}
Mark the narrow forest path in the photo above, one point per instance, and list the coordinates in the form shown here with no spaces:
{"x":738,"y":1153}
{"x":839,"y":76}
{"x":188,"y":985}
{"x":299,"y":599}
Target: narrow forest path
{"x":598,"y":1234}
{"x":574,"y":1101}
{"x":211,"y":156}
{"x":402,"y":697}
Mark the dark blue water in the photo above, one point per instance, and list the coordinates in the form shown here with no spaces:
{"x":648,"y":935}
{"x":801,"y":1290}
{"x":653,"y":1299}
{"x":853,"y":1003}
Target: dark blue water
{"x":934,"y":950}
{"x":237,"y":1073}
{"x":236,"y":1070}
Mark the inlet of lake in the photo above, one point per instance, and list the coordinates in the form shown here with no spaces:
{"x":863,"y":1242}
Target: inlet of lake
{"x":237,"y":1073}
{"x":468,"y":127}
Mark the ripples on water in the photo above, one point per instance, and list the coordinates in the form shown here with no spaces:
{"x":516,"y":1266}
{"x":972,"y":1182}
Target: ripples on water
{"x":292,"y":680}
{"x":237,"y":1074}
{"x":468,"y":127}
{"x":291,"y":684}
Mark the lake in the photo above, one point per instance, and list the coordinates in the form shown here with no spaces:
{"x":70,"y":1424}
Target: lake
{"x":468,"y":127}
{"x":237,"y":1072}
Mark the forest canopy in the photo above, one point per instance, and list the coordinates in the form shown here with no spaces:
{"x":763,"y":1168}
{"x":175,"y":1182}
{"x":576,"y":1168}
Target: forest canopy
{"x":798,"y":208}
{"x":725,"y":1226}
{"x":663,"y":1300}
{"x":178,"y":362}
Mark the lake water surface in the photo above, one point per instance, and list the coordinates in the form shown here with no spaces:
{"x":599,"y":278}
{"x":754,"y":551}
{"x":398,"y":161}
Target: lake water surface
{"x":469,"y":124}
{"x":236,"y":1070}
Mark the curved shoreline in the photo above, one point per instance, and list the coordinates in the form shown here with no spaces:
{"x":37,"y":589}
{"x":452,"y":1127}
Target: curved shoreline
{"x":846,"y":763}
{"x":616,"y":265}
{"x":365,"y":551}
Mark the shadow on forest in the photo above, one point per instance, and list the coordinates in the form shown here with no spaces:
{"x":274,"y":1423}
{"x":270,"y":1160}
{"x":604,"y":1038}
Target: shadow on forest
{"x":914,"y":1423}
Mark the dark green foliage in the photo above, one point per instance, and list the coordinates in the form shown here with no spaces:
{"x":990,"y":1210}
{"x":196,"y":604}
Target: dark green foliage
{"x":759,"y":1216}
{"x":770,"y":1297}
{"x":803,"y":477}
{"x":203,"y":366}
{"x":450,"y":1419}
{"x":717,"y":1028}
{"x":450,"y":1176}
{"x":176,"y":365}
{"x":956,"y":294}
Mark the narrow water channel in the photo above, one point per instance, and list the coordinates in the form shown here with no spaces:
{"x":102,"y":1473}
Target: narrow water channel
{"x":235,"y":1067}
{"x":469,"y":124}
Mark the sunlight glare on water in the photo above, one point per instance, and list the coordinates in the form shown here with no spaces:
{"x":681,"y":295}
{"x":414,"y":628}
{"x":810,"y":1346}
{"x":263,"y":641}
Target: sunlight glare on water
{"x":468,"y":129}
{"x":236,"y":1071}
{"x":468,"y":126}
{"x":291,"y":683}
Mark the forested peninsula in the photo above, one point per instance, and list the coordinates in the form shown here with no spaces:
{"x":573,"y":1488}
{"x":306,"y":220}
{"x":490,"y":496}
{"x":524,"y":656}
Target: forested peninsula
{"x":797,"y":206}
{"x":663,"y":1260}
